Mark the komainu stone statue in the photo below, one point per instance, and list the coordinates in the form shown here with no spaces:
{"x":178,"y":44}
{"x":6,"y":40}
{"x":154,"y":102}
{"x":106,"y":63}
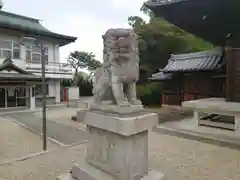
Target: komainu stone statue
{"x":115,"y":82}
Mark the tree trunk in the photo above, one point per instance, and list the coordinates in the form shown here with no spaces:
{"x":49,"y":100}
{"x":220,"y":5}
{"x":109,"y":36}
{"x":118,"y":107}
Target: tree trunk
{"x":76,"y":71}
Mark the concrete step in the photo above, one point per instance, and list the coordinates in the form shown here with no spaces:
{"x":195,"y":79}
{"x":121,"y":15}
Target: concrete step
{"x":220,"y":140}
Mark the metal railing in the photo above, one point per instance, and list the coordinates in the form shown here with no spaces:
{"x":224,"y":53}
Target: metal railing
{"x":50,"y":67}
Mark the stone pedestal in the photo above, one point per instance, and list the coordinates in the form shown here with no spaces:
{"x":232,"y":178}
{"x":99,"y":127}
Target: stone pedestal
{"x":118,"y":147}
{"x":81,"y":114}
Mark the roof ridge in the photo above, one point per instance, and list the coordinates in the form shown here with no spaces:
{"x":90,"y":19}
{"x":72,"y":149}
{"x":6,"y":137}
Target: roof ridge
{"x":33,"y":26}
{"x":154,"y":3}
{"x":19,"y":16}
{"x":215,"y":51}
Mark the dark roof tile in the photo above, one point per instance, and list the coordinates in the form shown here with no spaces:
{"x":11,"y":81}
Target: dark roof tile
{"x":30,"y":25}
{"x":200,"y":61}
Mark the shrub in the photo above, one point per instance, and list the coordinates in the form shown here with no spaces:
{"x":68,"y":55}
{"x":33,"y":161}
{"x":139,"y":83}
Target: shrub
{"x":150,"y":93}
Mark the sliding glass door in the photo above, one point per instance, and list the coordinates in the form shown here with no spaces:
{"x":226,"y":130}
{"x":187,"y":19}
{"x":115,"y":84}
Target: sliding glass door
{"x":13,"y":97}
{"x":21,"y":97}
{"x":2,"y":98}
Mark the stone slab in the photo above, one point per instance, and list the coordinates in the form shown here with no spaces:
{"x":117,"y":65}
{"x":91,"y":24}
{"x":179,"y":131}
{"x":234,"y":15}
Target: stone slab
{"x":125,"y":126}
{"x":65,"y":177}
{"x":153,"y":175}
{"x":84,"y":171}
{"x":116,"y":109}
{"x":214,"y":105}
{"x":81,"y":115}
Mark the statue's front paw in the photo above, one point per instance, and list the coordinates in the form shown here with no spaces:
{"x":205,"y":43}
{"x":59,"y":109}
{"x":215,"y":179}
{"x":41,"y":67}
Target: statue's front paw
{"x":136,"y":102}
{"x":123,"y":103}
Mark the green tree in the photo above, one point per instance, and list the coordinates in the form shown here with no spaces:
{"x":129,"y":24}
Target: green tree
{"x":158,"y":39}
{"x":83,"y":60}
{"x":84,"y":82}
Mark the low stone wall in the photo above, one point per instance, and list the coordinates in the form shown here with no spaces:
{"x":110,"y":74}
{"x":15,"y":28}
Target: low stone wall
{"x":49,"y":101}
{"x":171,"y":113}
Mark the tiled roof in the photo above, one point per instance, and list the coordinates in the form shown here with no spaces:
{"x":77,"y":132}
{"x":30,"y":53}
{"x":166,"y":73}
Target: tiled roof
{"x":10,"y":66}
{"x":161,"y":76}
{"x":21,"y":74}
{"x":20,"y":77}
{"x":152,"y":3}
{"x":30,"y":25}
{"x":200,"y":61}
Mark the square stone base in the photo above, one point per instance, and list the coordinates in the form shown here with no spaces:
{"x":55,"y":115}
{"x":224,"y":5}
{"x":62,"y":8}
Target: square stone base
{"x":120,"y":156}
{"x":117,"y":148}
{"x":117,"y":144}
{"x":84,"y":171}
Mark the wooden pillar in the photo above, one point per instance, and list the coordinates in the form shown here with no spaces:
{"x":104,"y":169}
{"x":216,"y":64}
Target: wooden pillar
{"x":163,"y":102}
{"x":230,"y":72}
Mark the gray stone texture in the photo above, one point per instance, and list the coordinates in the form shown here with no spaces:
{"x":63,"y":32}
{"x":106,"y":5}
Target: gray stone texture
{"x":81,"y":114}
{"x":120,"y":69}
{"x":125,"y":158}
{"x":215,"y":106}
{"x":123,"y":125}
{"x":118,"y":146}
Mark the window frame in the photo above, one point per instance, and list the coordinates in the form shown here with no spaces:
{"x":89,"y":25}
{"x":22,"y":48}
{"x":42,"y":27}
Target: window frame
{"x":30,"y":49}
{"x":2,"y":49}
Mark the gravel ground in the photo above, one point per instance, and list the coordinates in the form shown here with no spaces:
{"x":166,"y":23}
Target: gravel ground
{"x":178,"y":159}
{"x":16,"y":141}
{"x":184,"y":159}
{"x":44,"y":167}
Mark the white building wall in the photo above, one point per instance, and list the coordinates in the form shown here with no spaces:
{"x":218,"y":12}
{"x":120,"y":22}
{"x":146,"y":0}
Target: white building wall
{"x":54,"y":89}
{"x":19,"y":62}
{"x":73,"y":93}
{"x":58,"y":91}
{"x":60,"y":72}
{"x":57,"y":53}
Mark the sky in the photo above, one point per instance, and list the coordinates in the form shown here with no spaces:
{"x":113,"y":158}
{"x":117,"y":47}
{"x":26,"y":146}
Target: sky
{"x":87,"y":20}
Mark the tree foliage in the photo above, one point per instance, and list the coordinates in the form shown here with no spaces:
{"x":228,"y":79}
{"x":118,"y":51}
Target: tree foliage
{"x":159,"y":39}
{"x":82,"y":80}
{"x":83,"y":60}
{"x":84,"y":83}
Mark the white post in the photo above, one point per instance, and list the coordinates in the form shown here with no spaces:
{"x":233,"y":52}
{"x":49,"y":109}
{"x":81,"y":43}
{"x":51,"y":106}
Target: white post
{"x":196,"y":117}
{"x":237,"y":122}
{"x":32,"y":99}
{"x":57,"y":91}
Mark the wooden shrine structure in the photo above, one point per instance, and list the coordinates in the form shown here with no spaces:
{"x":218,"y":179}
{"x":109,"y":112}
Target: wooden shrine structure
{"x":193,"y":76}
{"x":216,"y":21}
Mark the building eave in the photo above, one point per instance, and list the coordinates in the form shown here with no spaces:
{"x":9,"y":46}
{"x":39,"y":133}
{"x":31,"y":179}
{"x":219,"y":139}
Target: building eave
{"x":61,"y":39}
{"x":193,"y":62}
{"x":31,"y":26}
{"x":212,"y":20}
